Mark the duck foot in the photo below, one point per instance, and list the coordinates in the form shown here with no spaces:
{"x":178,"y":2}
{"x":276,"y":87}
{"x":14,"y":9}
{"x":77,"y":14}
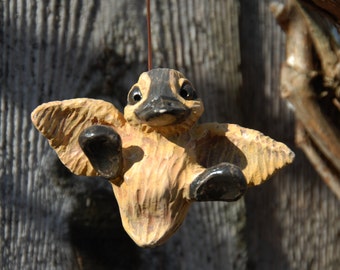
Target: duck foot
{"x":223,"y":182}
{"x":103,"y":147}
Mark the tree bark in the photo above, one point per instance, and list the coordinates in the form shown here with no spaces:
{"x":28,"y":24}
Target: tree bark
{"x":54,"y":50}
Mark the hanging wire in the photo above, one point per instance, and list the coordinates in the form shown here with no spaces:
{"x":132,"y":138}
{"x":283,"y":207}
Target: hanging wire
{"x":148,"y":20}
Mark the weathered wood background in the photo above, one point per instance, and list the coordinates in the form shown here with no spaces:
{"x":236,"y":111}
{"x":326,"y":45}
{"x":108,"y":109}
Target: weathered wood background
{"x":232,"y":51}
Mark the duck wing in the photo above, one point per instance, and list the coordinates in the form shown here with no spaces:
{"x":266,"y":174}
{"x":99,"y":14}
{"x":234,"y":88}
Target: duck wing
{"x":258,"y":156}
{"x":61,"y":122}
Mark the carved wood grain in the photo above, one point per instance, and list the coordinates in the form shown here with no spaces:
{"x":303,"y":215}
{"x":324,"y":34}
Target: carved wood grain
{"x":63,"y":49}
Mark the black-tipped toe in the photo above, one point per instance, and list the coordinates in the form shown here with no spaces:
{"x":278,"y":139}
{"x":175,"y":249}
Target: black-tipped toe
{"x":223,"y":182}
{"x":103,"y":147}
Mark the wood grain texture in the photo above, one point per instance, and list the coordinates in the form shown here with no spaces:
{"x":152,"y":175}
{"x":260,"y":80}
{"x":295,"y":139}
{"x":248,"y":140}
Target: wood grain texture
{"x":45,"y":51}
{"x":54,"y":50}
{"x":300,"y":209}
{"x":61,"y":122}
{"x":258,"y":156}
{"x":153,"y":189}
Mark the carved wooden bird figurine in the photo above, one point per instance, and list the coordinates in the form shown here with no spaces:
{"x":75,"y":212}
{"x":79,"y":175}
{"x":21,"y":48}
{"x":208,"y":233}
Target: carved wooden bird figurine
{"x":156,"y":156}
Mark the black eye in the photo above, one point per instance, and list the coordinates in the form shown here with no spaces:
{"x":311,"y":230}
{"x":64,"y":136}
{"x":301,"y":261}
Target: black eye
{"x":188,"y":92}
{"x":134,"y":96}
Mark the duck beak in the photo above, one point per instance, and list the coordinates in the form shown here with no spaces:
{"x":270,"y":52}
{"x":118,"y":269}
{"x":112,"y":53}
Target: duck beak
{"x":162,"y":111}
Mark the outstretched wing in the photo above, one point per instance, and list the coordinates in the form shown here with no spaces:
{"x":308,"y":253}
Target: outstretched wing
{"x":61,"y":122}
{"x":257,"y":155}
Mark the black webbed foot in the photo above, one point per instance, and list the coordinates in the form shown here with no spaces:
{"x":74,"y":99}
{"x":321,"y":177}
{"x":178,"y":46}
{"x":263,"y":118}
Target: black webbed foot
{"x":223,"y":182}
{"x":103,"y":147}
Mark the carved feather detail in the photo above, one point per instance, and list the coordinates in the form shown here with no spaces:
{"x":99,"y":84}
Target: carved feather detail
{"x":258,"y":156}
{"x":61,"y":122}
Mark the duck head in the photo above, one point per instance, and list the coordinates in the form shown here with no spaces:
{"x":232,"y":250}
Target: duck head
{"x":163,"y":100}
